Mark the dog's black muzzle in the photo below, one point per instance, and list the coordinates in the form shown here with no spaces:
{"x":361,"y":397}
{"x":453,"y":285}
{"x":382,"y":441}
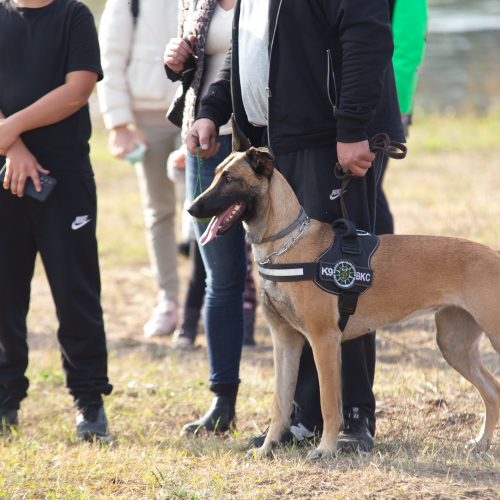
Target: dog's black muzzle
{"x":211,"y":205}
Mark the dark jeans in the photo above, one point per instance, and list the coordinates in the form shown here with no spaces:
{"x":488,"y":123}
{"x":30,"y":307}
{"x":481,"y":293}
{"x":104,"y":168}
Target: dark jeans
{"x":225,"y":265}
{"x":310,"y":173}
{"x":196,"y":293}
{"x":62,"y":230}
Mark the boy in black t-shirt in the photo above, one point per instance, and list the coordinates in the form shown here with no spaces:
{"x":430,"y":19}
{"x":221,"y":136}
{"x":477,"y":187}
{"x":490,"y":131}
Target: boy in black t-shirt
{"x":49,"y":64}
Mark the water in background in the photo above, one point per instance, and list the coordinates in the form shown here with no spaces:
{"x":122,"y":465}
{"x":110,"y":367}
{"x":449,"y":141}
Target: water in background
{"x":461,"y":70}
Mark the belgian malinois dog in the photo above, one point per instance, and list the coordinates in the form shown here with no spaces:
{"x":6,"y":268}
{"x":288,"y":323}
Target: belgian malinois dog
{"x":458,"y":280}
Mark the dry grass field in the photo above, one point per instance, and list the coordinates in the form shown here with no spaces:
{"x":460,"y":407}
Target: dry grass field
{"x":449,"y":184}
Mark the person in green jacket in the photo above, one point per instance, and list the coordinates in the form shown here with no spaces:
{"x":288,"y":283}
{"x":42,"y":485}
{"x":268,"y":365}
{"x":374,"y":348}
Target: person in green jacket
{"x":409,"y":29}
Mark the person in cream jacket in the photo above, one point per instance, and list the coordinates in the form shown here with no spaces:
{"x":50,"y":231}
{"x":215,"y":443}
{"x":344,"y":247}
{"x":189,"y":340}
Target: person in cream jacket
{"x":133,"y":98}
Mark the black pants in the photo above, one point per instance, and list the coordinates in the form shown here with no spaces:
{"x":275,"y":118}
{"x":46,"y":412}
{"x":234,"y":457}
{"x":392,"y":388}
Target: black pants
{"x":384,"y":221}
{"x":62,"y":230}
{"x":196,"y":285}
{"x":310,"y":173}
{"x":195,"y":293}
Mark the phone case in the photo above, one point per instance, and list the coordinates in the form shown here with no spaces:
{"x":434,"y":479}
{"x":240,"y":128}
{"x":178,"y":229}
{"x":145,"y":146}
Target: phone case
{"x":48,"y":183}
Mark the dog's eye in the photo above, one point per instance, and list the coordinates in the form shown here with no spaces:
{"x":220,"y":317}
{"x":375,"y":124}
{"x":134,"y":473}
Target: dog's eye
{"x":228,"y":178}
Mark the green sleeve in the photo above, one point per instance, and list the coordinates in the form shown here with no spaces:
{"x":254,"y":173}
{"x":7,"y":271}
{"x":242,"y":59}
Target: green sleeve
{"x":409,"y":28}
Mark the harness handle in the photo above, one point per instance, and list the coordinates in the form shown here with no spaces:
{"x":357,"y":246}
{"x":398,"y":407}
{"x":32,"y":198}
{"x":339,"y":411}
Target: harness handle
{"x":350,"y":230}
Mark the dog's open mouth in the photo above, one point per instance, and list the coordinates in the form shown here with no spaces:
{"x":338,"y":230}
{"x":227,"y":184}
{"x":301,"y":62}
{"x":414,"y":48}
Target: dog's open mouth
{"x":223,"y":222}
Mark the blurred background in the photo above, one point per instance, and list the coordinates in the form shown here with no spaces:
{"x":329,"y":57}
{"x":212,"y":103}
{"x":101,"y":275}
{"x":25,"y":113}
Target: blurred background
{"x":461,"y":70}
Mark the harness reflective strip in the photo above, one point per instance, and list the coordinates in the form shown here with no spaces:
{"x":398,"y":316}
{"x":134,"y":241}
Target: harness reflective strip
{"x":298,"y":271}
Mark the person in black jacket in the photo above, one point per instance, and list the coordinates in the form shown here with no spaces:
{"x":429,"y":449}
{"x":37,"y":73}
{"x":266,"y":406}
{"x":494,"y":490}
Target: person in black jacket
{"x":314,"y":81}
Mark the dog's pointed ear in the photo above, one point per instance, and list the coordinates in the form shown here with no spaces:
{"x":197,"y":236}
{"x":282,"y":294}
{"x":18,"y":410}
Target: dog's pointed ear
{"x":240,"y":140}
{"x":261,"y":160}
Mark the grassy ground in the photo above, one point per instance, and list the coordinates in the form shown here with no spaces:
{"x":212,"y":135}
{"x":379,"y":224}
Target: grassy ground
{"x":449,"y":185}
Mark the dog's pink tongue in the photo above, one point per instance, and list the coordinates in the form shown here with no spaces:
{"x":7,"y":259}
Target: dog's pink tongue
{"x":211,"y":231}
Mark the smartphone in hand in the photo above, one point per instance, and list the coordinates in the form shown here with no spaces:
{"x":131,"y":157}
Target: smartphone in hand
{"x":48,"y":183}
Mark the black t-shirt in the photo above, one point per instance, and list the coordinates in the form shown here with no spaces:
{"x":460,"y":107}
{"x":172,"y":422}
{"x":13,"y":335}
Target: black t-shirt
{"x":38,"y":47}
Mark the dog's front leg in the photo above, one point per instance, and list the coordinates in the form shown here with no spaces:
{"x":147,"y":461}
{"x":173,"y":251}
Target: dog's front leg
{"x":326,"y":350}
{"x":288,"y":344}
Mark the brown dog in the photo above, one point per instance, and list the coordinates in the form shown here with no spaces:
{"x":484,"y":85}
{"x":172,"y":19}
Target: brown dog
{"x":456,"y":279}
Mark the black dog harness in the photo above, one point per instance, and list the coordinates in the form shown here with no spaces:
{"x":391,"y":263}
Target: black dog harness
{"x":344,"y":269}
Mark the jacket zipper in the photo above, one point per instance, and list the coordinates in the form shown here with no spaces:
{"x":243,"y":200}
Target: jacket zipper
{"x":269,"y":93}
{"x":330,"y":78}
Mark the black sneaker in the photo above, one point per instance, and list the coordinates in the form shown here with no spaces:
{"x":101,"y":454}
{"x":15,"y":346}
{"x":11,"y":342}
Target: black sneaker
{"x":298,"y":435}
{"x":219,"y":418}
{"x":8,"y":420}
{"x":355,"y":436}
{"x":91,"y":423}
{"x":183,"y":339}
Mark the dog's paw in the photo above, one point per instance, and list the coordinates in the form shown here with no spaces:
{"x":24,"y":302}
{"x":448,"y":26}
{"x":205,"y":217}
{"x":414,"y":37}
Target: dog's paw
{"x":320,"y":454}
{"x":259,"y":453}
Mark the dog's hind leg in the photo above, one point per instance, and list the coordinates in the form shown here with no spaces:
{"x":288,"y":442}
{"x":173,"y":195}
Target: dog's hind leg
{"x":287,"y":344}
{"x":458,"y":337}
{"x":326,"y":350}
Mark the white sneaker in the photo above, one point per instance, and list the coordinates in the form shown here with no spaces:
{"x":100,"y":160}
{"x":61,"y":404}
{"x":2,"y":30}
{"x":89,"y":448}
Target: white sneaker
{"x":163,"y":321}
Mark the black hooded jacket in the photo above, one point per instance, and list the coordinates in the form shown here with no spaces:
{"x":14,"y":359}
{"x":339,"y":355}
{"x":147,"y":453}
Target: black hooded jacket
{"x":330,"y":76}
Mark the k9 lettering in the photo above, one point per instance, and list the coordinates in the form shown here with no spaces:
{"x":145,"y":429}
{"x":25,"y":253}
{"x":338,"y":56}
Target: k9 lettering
{"x":327,"y":271}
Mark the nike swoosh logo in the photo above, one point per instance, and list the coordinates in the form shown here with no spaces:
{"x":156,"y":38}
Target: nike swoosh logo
{"x":77,"y":225}
{"x":337,"y":193}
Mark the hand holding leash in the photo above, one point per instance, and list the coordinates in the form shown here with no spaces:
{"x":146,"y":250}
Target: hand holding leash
{"x":203,"y":134}
{"x":355,"y":158}
{"x":380,"y":144}
{"x":352,"y":160}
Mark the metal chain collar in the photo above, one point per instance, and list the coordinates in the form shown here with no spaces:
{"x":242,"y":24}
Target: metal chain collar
{"x":286,"y":246}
